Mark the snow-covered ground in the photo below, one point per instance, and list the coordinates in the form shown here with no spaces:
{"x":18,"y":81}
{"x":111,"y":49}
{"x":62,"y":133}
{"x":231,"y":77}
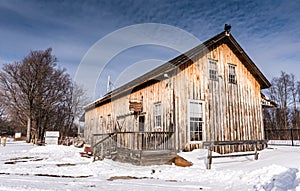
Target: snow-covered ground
{"x":43,"y":168}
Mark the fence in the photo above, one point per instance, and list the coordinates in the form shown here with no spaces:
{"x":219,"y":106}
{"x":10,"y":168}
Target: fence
{"x":140,"y":140}
{"x":291,"y":135}
{"x":211,"y":144}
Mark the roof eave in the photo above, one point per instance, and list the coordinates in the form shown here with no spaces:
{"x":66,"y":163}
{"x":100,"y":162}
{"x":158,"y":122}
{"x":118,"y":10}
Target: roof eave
{"x":263,"y":81}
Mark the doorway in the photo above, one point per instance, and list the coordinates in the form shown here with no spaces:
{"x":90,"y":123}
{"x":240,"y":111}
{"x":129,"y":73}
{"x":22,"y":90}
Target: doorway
{"x":141,"y":123}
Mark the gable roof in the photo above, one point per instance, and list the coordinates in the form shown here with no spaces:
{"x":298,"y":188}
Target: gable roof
{"x":223,"y":37}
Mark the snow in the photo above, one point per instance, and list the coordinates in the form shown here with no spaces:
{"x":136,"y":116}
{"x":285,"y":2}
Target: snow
{"x":55,"y":167}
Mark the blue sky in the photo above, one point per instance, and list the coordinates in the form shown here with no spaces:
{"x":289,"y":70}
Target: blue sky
{"x":269,"y":31}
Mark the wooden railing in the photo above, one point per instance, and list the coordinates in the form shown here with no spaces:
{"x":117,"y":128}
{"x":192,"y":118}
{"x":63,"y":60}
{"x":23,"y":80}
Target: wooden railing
{"x":146,"y":140}
{"x":104,"y":144}
{"x":103,"y":138}
{"x":137,"y":140}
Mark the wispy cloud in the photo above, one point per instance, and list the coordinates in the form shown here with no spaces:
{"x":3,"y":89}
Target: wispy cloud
{"x":268,"y":30}
{"x":3,"y":61}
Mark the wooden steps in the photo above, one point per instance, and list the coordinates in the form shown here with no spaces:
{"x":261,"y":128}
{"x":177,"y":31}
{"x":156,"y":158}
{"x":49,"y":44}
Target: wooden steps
{"x":144,"y":158}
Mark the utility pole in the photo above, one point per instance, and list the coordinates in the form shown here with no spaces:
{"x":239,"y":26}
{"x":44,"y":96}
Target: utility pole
{"x":108,"y":84}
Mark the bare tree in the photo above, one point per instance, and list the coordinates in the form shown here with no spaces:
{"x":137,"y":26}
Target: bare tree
{"x":79,"y":100}
{"x":35,"y":88}
{"x":280,"y":93}
{"x":294,"y":93}
{"x":18,"y":91}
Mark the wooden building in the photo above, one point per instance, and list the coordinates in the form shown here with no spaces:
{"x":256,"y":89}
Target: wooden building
{"x":210,"y":93}
{"x":267,"y":102}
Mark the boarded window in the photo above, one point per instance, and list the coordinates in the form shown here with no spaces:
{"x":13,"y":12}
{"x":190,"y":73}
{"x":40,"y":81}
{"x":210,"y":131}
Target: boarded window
{"x":157,"y":115}
{"x":135,"y":106}
{"x":231,"y":74}
{"x":196,"y":120}
{"x":213,"y":71}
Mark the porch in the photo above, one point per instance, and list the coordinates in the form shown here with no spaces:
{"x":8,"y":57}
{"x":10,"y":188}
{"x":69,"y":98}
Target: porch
{"x":138,"y":148}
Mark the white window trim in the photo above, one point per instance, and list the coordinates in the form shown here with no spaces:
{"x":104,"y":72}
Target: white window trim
{"x":188,"y":120}
{"x":216,"y":69}
{"x":235,"y":75}
{"x":161,"y":116}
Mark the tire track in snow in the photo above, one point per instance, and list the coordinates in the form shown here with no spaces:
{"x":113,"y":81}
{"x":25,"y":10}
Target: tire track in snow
{"x":92,"y":184}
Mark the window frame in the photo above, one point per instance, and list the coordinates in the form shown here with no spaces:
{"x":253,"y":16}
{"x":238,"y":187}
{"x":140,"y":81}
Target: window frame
{"x":109,"y":122}
{"x":157,"y":114}
{"x":101,"y":124}
{"x":212,"y":70}
{"x":202,"y":103}
{"x":232,"y":78}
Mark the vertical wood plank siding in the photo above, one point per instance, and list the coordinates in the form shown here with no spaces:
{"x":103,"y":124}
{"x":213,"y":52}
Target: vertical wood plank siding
{"x":232,"y":111}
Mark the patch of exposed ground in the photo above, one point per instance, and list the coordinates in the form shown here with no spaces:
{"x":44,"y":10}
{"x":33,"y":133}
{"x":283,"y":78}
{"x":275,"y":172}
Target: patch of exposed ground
{"x":23,"y":159}
{"x":126,"y":178}
{"x":47,"y":175}
{"x":65,"y":164}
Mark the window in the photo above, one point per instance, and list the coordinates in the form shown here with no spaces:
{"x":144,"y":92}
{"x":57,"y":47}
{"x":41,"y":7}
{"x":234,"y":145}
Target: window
{"x":213,"y":70}
{"x":157,"y":115}
{"x":196,"y":120}
{"x":231,"y":74}
{"x":109,"y":122}
{"x":101,"y":124}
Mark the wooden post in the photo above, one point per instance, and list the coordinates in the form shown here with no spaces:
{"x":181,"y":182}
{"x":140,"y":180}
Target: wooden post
{"x":94,"y":157}
{"x":292,"y":137}
{"x":143,"y":142}
{"x":101,"y":150}
{"x":209,"y":158}
{"x":256,"y":153}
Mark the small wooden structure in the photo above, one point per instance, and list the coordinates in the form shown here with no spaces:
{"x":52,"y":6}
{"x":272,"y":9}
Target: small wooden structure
{"x":210,"y":93}
{"x":266,"y":102}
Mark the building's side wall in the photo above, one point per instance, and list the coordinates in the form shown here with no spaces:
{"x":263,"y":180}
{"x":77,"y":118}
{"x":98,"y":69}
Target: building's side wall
{"x":116,"y":116}
{"x":97,"y":121}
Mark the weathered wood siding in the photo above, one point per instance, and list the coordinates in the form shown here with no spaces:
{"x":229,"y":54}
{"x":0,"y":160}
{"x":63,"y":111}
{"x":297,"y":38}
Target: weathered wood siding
{"x":117,"y":116}
{"x":232,"y":111}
